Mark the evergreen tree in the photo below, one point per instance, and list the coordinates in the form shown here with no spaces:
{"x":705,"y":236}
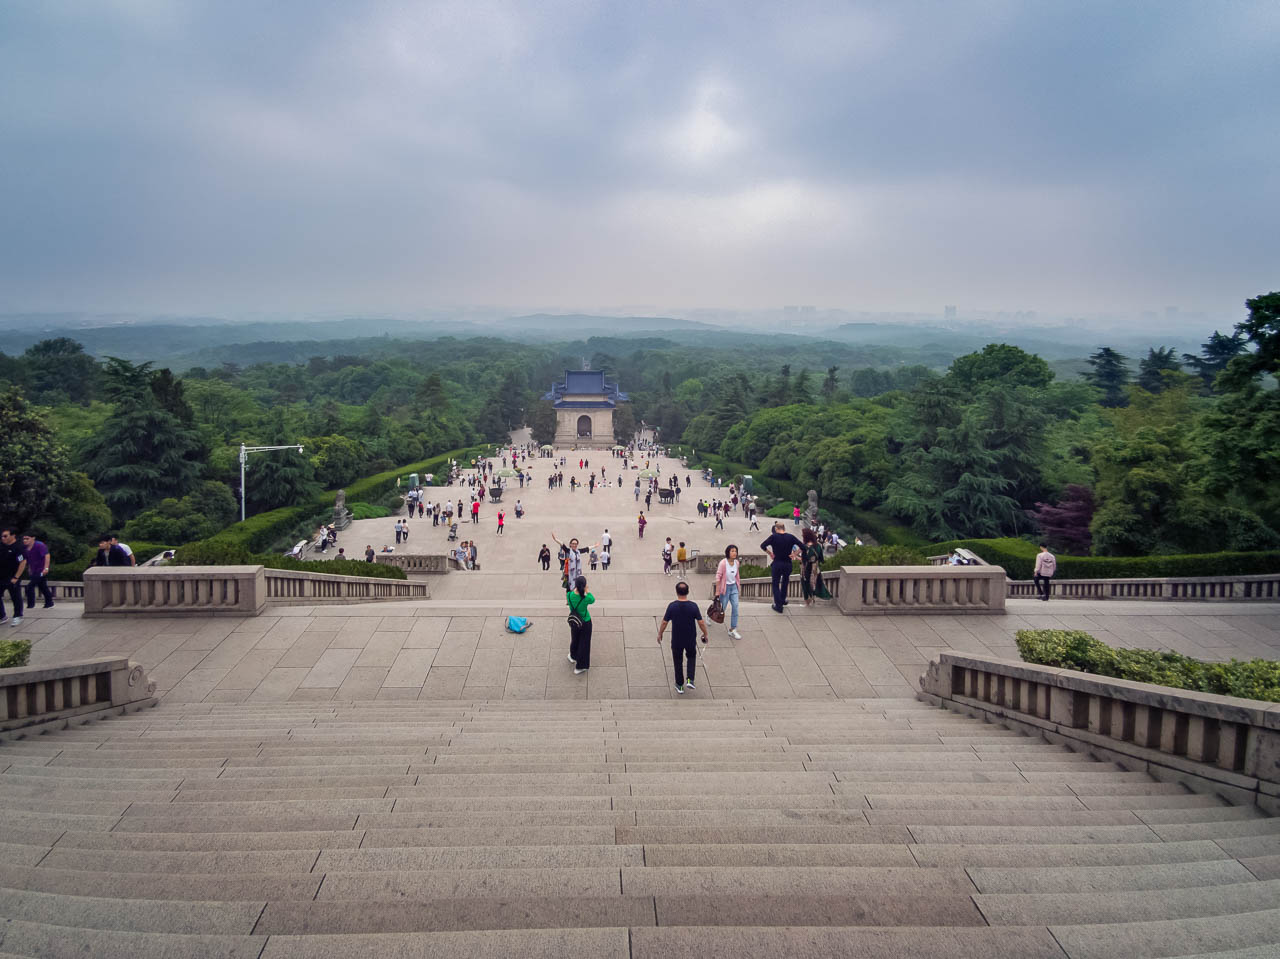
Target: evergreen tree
{"x":830,"y":384}
{"x":1262,"y":330}
{"x":1151,"y":370}
{"x":279,"y":478}
{"x":1215,"y":355}
{"x":143,"y":453}
{"x":1110,"y":374}
{"x":801,"y":393}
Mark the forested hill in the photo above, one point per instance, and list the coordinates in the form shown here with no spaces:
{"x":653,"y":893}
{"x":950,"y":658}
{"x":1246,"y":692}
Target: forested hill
{"x":1153,"y":451}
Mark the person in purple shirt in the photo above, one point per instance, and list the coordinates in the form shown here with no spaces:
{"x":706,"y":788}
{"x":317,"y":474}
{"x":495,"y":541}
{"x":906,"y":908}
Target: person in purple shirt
{"x":37,"y":554}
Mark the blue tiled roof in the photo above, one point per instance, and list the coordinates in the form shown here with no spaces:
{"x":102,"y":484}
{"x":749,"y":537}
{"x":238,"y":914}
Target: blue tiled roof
{"x":584,"y":404}
{"x":585,"y":383}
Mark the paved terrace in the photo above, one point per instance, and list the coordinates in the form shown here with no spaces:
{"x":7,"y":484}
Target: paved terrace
{"x":456,"y":646}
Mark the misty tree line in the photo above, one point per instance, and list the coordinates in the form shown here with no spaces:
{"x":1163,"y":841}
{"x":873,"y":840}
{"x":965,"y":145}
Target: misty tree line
{"x":1175,"y":455}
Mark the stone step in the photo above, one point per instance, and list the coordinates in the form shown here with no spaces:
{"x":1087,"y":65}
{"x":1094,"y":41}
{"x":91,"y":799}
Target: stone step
{"x":136,"y":915}
{"x":55,"y":942}
{"x":1170,"y":937}
{"x":192,"y":888}
{"x":1121,"y":906}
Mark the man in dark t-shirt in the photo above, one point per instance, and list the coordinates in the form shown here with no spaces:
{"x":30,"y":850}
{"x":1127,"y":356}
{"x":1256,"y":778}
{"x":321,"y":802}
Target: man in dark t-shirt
{"x":685,"y":619}
{"x":781,"y":547}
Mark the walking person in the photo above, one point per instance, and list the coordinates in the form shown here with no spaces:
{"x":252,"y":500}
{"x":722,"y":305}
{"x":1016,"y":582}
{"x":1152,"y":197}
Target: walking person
{"x":642,"y":523}
{"x":12,"y":564}
{"x":1046,"y":566}
{"x":604,"y":557}
{"x":475,"y":511}
{"x":667,"y":549}
{"x":502,"y":518}
{"x":578,"y":601}
{"x":37,"y":556}
{"x":811,"y":584}
{"x":685,"y":619}
{"x":780,"y":547}
{"x":727,"y":586}
{"x":544,"y":557}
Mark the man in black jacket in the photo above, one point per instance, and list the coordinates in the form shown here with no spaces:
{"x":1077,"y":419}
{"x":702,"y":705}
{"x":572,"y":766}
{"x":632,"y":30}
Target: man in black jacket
{"x":780,"y":548}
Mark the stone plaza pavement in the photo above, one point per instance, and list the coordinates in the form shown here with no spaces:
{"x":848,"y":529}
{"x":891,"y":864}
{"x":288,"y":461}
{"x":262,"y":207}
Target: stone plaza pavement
{"x":455,"y":646}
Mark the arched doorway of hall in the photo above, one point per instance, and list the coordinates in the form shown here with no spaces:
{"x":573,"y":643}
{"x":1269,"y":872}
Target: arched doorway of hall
{"x":584,"y":425}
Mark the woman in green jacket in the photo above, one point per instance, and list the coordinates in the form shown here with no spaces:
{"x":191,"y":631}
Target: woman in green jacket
{"x":578,"y":600}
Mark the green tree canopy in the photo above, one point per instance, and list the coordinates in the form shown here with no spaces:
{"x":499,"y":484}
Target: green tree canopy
{"x":32,"y":464}
{"x":1110,"y":374}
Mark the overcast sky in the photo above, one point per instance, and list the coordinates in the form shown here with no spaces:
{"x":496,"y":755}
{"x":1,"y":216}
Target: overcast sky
{"x":296,"y":155}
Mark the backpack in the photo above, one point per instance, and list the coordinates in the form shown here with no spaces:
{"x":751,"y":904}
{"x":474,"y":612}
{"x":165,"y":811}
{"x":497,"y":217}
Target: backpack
{"x":517,"y":624}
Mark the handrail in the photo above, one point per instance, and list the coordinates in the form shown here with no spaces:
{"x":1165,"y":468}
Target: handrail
{"x":1220,"y":744}
{"x":36,"y":695}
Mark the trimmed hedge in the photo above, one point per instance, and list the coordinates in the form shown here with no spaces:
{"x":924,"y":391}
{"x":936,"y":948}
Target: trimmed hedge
{"x":854,"y":556}
{"x":14,"y":652}
{"x":1074,"y":649}
{"x":210,"y":553}
{"x":1018,"y":557}
{"x":368,"y":511}
{"x":74,"y":572}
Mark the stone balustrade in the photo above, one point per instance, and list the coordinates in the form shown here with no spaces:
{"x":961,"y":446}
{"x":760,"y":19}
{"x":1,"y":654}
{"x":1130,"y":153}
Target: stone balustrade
{"x":1217,"y":744}
{"x":708,"y":562}
{"x":229,"y":590}
{"x":66,"y":589}
{"x":921,"y":589}
{"x":759,"y":589}
{"x":35,"y":695}
{"x":415,"y":563}
{"x":287,"y":587}
{"x":1198,"y":588}
{"x":175,"y":590}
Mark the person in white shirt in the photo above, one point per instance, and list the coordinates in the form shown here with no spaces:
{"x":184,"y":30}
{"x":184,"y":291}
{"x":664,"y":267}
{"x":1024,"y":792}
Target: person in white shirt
{"x":727,"y":586}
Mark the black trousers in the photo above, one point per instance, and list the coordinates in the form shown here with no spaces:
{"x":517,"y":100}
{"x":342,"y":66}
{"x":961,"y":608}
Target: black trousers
{"x":780,"y":574}
{"x":42,"y":584}
{"x":15,"y":596}
{"x":1043,"y":586}
{"x":684,"y":649}
{"x":580,"y":645}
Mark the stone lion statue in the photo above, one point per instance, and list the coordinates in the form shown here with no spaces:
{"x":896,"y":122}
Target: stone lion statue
{"x":811,"y":514}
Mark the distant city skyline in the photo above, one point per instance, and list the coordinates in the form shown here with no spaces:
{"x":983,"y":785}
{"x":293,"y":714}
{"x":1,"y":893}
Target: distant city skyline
{"x":232,"y":158}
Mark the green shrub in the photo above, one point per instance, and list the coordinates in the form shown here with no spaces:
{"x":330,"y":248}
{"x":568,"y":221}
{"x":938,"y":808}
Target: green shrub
{"x":1074,"y":649}
{"x":74,"y":572}
{"x":368,"y":511}
{"x":212,"y":553}
{"x":14,"y":652}
{"x":1018,"y":558}
{"x":783,"y":510}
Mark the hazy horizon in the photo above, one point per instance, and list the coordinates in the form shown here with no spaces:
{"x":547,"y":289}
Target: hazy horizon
{"x":233,"y":159}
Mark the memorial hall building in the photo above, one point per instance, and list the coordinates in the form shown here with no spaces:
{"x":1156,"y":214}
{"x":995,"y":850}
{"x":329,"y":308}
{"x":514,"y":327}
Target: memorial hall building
{"x":584,"y":403}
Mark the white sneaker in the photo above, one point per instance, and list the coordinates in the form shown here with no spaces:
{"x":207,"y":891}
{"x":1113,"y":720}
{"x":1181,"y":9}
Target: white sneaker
{"x":17,"y":621}
{"x":735,"y":634}
{"x":571,"y":659}
{"x":578,"y":672}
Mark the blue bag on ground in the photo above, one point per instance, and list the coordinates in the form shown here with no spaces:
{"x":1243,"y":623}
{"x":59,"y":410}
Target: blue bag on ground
{"x":517,"y":624}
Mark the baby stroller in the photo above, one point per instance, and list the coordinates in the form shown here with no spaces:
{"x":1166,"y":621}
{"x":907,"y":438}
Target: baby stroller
{"x":453,"y":533}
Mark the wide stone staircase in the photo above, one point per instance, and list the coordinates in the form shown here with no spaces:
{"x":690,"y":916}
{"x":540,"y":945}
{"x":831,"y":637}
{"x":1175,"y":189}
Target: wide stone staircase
{"x":869,"y":828}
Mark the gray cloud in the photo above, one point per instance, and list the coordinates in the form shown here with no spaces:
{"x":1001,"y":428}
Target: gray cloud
{"x":231,"y":155}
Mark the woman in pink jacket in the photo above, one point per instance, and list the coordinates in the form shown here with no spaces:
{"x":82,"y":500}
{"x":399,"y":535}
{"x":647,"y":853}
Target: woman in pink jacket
{"x":727,"y":586}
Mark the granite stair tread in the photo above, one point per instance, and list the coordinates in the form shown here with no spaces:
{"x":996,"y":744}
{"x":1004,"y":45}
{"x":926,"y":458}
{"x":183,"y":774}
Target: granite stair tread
{"x":636,"y":829}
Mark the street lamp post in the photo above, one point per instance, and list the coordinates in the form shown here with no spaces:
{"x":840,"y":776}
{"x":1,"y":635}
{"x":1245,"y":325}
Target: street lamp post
{"x":244,"y":457}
